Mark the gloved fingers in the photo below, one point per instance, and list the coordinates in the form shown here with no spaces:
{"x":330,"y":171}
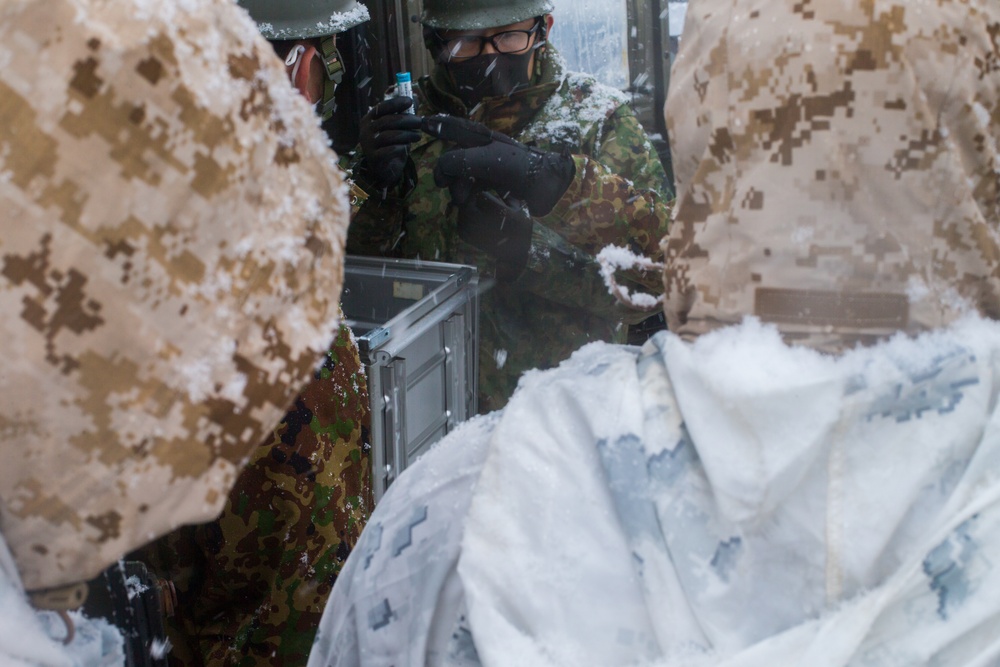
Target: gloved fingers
{"x":390,"y":163}
{"x":480,"y":220}
{"x":449,"y":168}
{"x":462,"y":191}
{"x":464,"y":133}
{"x":461,"y":131}
{"x":495,"y":166}
{"x":499,"y":229}
{"x":485,"y":210}
{"x":388,"y":138}
{"x":397,"y":151}
{"x":393,"y":105}
{"x":498,"y":166}
{"x":488,"y":200}
{"x":401,"y":121}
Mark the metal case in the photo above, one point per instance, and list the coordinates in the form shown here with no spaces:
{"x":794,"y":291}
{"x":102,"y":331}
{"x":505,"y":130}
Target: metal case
{"x":417,"y":326}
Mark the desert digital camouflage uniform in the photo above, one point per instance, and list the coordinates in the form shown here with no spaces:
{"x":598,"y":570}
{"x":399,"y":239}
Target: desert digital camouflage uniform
{"x":165,"y":294}
{"x":617,"y":197}
{"x":838,"y":232}
{"x":252,"y":585}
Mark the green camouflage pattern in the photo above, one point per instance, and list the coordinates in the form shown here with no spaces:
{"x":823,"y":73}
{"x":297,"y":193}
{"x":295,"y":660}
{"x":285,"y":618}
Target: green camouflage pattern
{"x":253,"y":584}
{"x":616,"y":197}
{"x":840,"y":198}
{"x":170,"y":269}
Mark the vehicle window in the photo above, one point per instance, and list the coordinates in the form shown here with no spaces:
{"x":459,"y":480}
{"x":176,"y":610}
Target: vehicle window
{"x":592,"y":35}
{"x":676,"y":11}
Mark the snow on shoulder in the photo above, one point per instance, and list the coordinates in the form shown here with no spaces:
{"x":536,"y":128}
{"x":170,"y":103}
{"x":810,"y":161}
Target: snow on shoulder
{"x":593,"y":103}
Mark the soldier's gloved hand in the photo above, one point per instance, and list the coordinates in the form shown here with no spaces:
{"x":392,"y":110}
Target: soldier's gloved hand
{"x":386,"y":135}
{"x":488,"y":160}
{"x":462,"y":132}
{"x":498,"y":229}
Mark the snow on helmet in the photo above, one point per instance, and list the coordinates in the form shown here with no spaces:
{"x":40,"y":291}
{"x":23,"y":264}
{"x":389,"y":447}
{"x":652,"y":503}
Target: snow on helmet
{"x":304,"y":19}
{"x":479,"y":14}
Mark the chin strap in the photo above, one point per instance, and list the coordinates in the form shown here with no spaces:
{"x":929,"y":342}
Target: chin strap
{"x":334,"y":64}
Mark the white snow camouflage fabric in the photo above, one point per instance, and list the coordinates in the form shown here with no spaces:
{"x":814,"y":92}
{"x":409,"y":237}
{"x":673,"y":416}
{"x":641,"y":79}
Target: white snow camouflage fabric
{"x":806,"y":510}
{"x":30,"y":639}
{"x":170,"y":266}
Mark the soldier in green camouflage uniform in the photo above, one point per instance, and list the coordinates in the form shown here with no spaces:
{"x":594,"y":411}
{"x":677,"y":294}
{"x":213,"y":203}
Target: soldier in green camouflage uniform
{"x":251,"y":586}
{"x":555,"y":300}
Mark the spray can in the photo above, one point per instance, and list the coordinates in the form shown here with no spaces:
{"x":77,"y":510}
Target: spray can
{"x":404,"y":87}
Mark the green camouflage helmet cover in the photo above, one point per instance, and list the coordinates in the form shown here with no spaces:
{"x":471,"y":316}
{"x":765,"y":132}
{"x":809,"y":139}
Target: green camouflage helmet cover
{"x":304,"y":19}
{"x":479,"y":14}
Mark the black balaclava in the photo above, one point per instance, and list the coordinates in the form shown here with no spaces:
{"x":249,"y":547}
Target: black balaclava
{"x":489,"y":75}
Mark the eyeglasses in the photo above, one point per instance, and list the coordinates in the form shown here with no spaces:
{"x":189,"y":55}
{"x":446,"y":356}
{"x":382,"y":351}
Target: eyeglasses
{"x":470,"y":46}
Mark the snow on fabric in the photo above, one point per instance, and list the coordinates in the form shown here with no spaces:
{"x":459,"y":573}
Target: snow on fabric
{"x":407,"y":543}
{"x":336,"y":22}
{"x":173,"y":229}
{"x":28,"y":639}
{"x":728,"y":502}
{"x":842,"y":202}
{"x":612,"y":259}
{"x":559,"y":123}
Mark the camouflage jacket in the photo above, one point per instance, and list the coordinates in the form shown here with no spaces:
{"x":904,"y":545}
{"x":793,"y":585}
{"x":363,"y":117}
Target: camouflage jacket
{"x":252,"y":585}
{"x":171,"y":253}
{"x":851,"y":192}
{"x":616,"y":197}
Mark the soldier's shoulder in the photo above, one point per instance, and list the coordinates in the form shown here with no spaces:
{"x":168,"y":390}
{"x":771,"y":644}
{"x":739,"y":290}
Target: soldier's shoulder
{"x":589,"y":98}
{"x":579,"y":112}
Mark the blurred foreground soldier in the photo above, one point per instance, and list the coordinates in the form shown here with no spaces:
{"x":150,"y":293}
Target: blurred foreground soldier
{"x":892,"y":227}
{"x":252,"y":585}
{"x":733,"y":500}
{"x":170,"y":271}
{"x":528,"y":174}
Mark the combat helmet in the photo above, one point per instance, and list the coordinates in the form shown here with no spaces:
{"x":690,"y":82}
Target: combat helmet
{"x":479,"y":14}
{"x":304,"y":19}
{"x":284,"y":20}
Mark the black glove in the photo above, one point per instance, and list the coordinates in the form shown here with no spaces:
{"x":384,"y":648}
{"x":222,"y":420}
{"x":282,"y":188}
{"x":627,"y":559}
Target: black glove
{"x":498,"y":229}
{"x":462,"y":132}
{"x":488,"y":160}
{"x":386,"y":135}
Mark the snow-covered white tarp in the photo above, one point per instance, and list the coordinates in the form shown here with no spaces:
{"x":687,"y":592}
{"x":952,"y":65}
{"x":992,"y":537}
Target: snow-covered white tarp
{"x":728,"y":502}
{"x":35,"y":639}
